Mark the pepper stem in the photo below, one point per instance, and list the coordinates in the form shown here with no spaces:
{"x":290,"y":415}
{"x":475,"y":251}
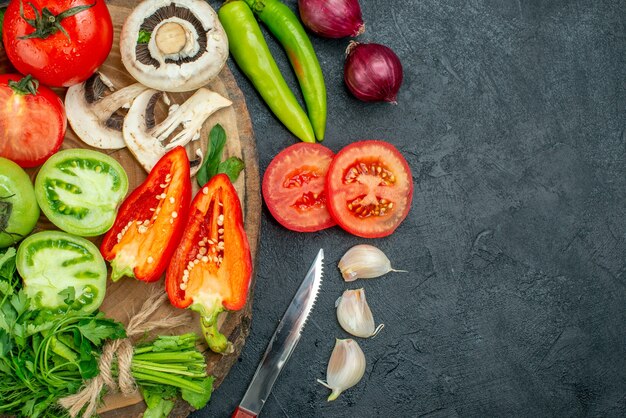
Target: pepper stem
{"x":27,"y":85}
{"x":217,"y":341}
{"x":47,"y":23}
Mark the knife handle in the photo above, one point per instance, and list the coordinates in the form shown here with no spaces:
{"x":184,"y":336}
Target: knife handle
{"x":242,"y":413}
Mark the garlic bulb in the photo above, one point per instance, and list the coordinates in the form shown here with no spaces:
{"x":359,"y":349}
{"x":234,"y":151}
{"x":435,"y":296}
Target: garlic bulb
{"x":354,"y":314}
{"x":364,"y":262}
{"x":345,"y":369}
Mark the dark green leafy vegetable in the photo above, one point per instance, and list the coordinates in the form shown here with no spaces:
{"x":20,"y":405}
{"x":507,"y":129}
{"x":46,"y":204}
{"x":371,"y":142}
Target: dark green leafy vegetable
{"x":213,"y":163}
{"x":46,"y":355}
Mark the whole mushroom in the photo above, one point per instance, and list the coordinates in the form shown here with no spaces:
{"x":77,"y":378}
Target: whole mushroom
{"x":173,"y":45}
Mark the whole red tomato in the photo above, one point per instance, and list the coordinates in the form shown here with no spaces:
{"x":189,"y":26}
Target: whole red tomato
{"x":32,"y":121}
{"x":59,"y":42}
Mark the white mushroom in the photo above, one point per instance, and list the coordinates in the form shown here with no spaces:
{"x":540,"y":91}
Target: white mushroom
{"x":173,"y":45}
{"x":95,"y":117}
{"x":148,"y":141}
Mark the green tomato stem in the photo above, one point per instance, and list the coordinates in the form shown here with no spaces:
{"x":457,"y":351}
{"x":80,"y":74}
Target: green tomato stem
{"x":27,"y":85}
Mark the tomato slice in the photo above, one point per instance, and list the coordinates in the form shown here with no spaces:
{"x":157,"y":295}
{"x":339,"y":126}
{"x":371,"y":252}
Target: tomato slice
{"x":79,"y":191}
{"x":211,"y":268}
{"x":370,"y":188}
{"x":18,"y":206}
{"x":294,"y":187}
{"x":32,"y":125}
{"x":151,"y":220}
{"x":61,"y":271}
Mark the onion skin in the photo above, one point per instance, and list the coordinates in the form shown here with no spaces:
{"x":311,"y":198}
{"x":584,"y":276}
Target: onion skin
{"x":372,"y":72}
{"x":332,"y":18}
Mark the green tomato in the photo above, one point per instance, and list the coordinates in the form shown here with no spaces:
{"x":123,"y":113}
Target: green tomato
{"x":80,"y":191}
{"x":18,"y":207}
{"x":62,"y":271}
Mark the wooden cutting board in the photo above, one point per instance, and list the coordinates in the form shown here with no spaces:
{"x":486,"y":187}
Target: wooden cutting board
{"x":126,"y":296}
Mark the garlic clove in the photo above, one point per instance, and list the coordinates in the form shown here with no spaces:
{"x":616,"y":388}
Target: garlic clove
{"x":364,"y":262}
{"x":346,"y":367}
{"x":354,"y":314}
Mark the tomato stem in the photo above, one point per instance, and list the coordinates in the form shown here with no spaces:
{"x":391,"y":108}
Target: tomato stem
{"x":27,"y":85}
{"x":47,"y":23}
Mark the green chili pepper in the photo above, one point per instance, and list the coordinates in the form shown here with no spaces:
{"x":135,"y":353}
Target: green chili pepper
{"x":250,"y":51}
{"x":286,"y":27}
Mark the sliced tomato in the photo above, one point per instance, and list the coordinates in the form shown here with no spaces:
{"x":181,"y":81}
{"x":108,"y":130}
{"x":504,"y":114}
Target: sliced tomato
{"x":151,"y":220}
{"x":370,"y":188}
{"x":79,"y":191}
{"x":32,"y":120}
{"x":60,"y":270}
{"x":294,"y":187}
{"x":211,"y":268}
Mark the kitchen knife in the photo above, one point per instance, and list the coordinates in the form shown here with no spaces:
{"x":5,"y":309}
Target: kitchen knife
{"x":283,"y":342}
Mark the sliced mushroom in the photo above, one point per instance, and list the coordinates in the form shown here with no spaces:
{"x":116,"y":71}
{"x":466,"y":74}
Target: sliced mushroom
{"x":148,"y":141}
{"x":97,"y":119}
{"x":173,"y":45}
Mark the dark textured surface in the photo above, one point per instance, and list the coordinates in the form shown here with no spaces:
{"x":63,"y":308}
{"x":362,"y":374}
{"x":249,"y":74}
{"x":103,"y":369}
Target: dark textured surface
{"x":511,"y":117}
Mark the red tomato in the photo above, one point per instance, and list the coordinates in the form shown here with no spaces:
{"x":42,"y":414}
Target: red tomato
{"x":369,"y":188}
{"x":32,"y":126}
{"x":293,"y":187}
{"x":39,"y":47}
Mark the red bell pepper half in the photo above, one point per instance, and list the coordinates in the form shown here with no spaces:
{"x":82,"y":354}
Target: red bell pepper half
{"x":151,"y":221}
{"x":211,"y":268}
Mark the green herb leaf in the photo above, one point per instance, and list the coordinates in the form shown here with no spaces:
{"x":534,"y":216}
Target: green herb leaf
{"x":20,"y":302}
{"x":199,"y":400}
{"x":5,"y":343}
{"x":98,"y":330}
{"x":232,"y":167}
{"x":7,"y":271}
{"x":158,"y":403}
{"x":88,"y":364}
{"x":144,"y":37}
{"x":217,"y":140}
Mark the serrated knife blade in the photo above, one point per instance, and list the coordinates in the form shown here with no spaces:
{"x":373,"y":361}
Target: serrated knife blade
{"x":283,"y":342}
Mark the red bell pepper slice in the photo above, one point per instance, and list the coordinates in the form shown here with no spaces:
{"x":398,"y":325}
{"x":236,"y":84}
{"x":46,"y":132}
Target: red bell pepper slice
{"x":151,"y":221}
{"x":211,"y":268}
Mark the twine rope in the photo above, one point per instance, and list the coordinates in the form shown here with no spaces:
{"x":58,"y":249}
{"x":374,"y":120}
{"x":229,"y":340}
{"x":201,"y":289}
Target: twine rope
{"x":122,"y":349}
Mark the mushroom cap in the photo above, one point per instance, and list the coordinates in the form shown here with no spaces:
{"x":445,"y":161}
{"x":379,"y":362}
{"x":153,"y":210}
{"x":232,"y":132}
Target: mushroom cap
{"x":149,"y":141}
{"x":199,"y":60}
{"x":94,"y":117}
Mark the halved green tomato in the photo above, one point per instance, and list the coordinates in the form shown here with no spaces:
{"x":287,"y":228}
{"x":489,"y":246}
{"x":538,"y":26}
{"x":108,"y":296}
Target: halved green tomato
{"x":62,"y":271}
{"x":18,"y":207}
{"x":80,"y":191}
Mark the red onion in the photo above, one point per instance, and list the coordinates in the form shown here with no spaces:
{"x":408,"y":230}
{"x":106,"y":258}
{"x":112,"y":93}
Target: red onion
{"x":372,"y":72}
{"x":332,"y":18}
